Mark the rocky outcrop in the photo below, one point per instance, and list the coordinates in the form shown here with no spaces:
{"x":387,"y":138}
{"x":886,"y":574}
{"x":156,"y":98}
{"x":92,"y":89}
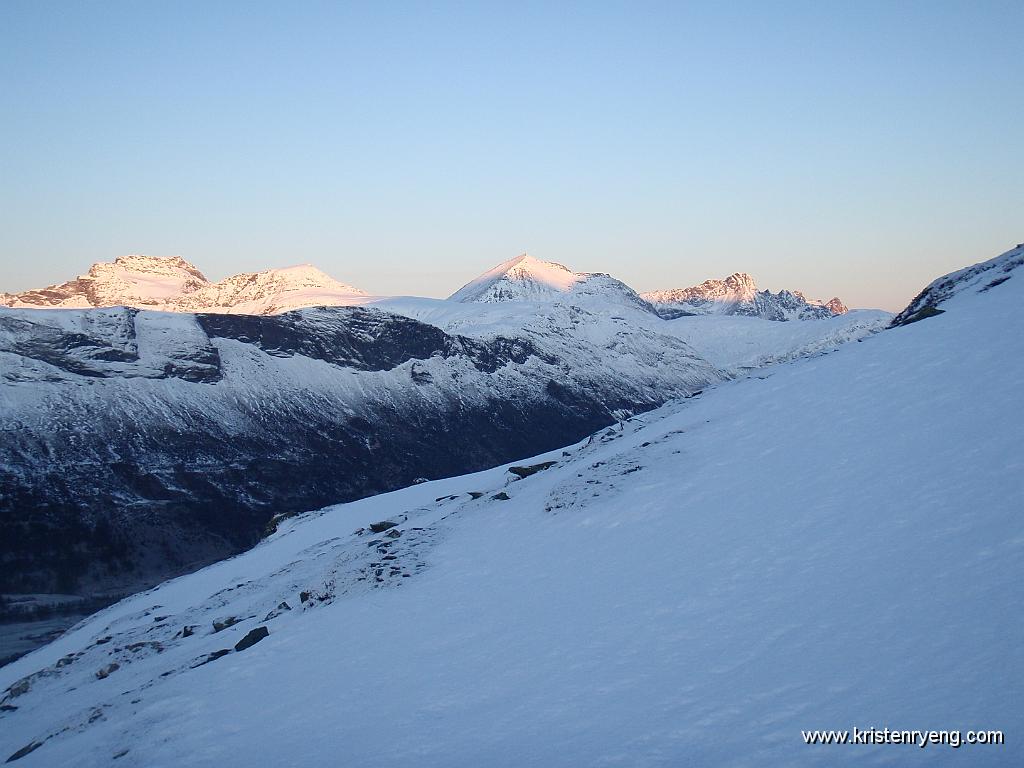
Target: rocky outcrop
{"x":981,"y":277}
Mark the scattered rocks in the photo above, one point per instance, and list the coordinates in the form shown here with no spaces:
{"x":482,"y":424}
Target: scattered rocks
{"x":254,"y":636}
{"x":394,"y":533}
{"x":303,"y":597}
{"x":382,"y":526}
{"x":220,"y":624}
{"x":107,"y":671}
{"x":152,"y":644}
{"x":277,"y":611}
{"x":533,"y":469}
{"x":476,"y":494}
{"x":501,"y":496}
{"x":188,"y":630}
{"x":212,"y":657}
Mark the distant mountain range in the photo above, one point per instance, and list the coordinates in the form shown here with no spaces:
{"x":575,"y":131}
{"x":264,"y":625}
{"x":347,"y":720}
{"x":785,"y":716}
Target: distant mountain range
{"x":172,"y":284}
{"x":738,"y":295}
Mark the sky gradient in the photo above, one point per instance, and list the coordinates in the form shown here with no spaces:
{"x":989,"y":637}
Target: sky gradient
{"x":858,"y":149}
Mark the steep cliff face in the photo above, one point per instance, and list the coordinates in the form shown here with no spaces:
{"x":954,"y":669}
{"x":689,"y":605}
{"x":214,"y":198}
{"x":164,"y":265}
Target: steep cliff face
{"x":738,"y":295}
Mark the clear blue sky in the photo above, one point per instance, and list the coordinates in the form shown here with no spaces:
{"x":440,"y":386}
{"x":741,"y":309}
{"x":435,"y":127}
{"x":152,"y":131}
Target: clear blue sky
{"x":851,"y":148}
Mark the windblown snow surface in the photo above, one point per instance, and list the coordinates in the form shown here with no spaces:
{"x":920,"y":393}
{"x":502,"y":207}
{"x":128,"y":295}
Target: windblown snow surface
{"x":830,"y":543}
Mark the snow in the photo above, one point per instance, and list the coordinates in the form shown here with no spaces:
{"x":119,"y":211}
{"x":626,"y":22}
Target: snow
{"x":171,"y":284}
{"x":534,"y":275}
{"x":734,"y":344}
{"x":740,"y":344}
{"x":830,"y":543}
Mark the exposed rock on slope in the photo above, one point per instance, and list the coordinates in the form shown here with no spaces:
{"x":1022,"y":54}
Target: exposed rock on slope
{"x":981,"y":277}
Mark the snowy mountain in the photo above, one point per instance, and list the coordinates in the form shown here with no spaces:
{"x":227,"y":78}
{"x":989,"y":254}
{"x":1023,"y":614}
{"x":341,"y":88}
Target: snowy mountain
{"x":738,"y":295}
{"x":525,"y":278}
{"x":144,"y":442}
{"x":826,"y":544}
{"x":171,"y":284}
{"x":151,"y":442}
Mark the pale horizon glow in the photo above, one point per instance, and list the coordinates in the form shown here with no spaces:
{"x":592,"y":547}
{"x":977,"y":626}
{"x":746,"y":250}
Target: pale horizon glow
{"x":855,"y":150}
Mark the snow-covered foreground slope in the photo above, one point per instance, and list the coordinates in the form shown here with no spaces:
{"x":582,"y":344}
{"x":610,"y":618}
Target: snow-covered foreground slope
{"x":830,"y":544}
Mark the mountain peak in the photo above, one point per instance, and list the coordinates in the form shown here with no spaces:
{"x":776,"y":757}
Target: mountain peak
{"x":737,"y":294}
{"x":523,"y":277}
{"x":172,"y":284}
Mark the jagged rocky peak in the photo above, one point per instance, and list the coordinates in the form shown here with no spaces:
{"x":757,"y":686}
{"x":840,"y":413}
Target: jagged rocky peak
{"x":172,"y":284}
{"x":526,"y":278}
{"x":737,"y":294}
{"x":836,"y":306}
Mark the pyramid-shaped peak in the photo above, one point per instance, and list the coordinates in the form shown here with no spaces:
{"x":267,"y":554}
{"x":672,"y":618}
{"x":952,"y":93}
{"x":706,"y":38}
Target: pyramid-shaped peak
{"x":523,"y":277}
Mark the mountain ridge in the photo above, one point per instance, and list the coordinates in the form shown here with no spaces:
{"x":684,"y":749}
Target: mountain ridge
{"x":172,"y":284}
{"x":738,"y":294}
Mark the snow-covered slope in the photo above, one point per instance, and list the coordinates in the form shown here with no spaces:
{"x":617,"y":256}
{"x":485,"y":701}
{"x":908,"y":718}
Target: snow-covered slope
{"x":734,"y":344}
{"x":739,"y":344}
{"x":831,"y":543}
{"x":171,"y":284}
{"x":738,"y":295}
{"x":149,"y":442}
{"x":979,"y":278}
{"x":525,"y":278}
{"x":140,"y":443}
